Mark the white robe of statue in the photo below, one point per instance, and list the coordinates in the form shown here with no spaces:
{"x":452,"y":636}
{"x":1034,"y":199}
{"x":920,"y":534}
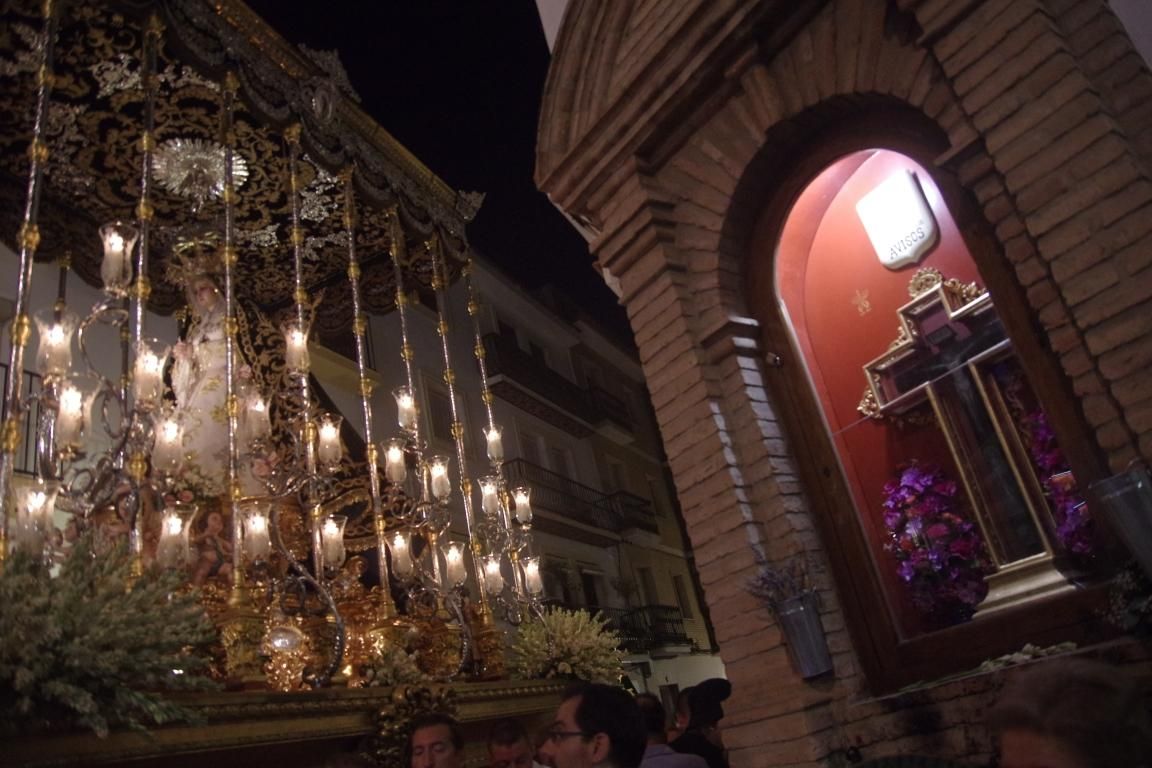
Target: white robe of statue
{"x":198,"y":382}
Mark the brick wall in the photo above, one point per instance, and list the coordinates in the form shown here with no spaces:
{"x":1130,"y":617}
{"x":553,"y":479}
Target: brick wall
{"x":652,"y":131}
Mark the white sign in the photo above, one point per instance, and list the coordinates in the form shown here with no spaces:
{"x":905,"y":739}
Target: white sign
{"x":898,"y":220}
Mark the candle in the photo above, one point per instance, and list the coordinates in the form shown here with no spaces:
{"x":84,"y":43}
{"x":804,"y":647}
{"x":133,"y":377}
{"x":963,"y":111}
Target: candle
{"x":493,"y":580}
{"x":401,"y":558}
{"x":490,"y":495}
{"x":296,"y":347}
{"x":328,"y":450}
{"x":522,"y":497}
{"x":332,"y":540}
{"x":394,"y":468}
{"x":405,"y":409}
{"x":148,"y":373}
{"x":454,"y":559}
{"x":116,"y":268}
{"x":54,"y":330}
{"x":35,"y":503}
{"x":256,"y":416}
{"x":438,"y":470}
{"x":70,"y":418}
{"x":256,"y":541}
{"x":172,"y":549}
{"x":532,"y":580}
{"x":168,"y":445}
{"x":495,"y":445}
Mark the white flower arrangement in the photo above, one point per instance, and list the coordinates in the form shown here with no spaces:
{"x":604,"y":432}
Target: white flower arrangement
{"x":568,"y":644}
{"x":393,"y":665}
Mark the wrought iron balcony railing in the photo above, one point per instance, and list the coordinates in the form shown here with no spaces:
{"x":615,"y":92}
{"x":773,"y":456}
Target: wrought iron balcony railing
{"x":592,"y":406}
{"x":632,"y":511}
{"x":648,"y":627}
{"x":568,"y":498}
{"x":505,"y":358}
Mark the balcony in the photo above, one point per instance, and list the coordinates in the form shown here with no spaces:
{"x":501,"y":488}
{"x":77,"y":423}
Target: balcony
{"x":631,"y":510}
{"x":648,"y":628}
{"x":531,"y":385}
{"x":569,"y":500}
{"x":563,"y":496}
{"x":505,"y":359}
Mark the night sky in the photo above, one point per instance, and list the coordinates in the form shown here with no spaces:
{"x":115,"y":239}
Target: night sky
{"x":459,"y":83}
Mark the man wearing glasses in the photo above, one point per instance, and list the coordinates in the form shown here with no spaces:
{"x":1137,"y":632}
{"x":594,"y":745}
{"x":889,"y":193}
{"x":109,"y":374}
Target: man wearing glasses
{"x":596,"y":725}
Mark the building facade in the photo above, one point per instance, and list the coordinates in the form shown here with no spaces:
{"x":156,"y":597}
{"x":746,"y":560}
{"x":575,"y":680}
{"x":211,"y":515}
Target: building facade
{"x":579,"y":432}
{"x":809,"y":333}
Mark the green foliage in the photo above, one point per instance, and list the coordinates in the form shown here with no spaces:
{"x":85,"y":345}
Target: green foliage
{"x":91,"y":647}
{"x":568,"y":644}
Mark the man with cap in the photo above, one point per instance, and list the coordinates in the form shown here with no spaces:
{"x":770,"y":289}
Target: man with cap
{"x":658,"y":754}
{"x":702,"y":736}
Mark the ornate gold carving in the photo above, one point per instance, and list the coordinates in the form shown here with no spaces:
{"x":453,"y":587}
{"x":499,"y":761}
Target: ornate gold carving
{"x":868,"y":405}
{"x":286,"y":649}
{"x":241,"y":636}
{"x":488,"y":648}
{"x":924,"y":280}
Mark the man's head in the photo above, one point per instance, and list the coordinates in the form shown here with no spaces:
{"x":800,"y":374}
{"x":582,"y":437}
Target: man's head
{"x":509,"y":746}
{"x":596,"y":725}
{"x":654,"y":719}
{"x":704,"y":702}
{"x":435,"y":742}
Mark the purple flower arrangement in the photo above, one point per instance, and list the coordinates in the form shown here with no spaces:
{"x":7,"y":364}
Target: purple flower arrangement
{"x":940,"y":553}
{"x":1074,"y":527}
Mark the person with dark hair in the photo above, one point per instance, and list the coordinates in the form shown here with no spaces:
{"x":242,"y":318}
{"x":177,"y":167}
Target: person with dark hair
{"x":596,"y":725}
{"x":435,"y":741}
{"x":702,"y":735}
{"x":509,"y":745}
{"x":658,"y":754}
{"x":1073,"y":713}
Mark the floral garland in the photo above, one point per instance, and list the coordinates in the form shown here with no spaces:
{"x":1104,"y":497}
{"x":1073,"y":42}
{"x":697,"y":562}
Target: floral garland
{"x":941,"y":555}
{"x":1074,"y":525}
{"x":568,"y":644}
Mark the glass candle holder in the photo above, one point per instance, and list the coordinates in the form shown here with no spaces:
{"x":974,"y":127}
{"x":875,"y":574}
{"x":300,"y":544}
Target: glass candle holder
{"x":495,"y":444}
{"x":441,"y":486}
{"x":332,"y":540}
{"x":490,"y":495}
{"x":522,"y":495}
{"x":296,"y":357}
{"x":454,"y":568}
{"x":401,"y":555}
{"x":533,"y":583}
{"x":405,"y":408}
{"x":257,"y":544}
{"x":148,"y":373}
{"x":168,"y":443}
{"x":119,"y":239}
{"x":54,"y":332}
{"x":395,"y":468}
{"x":172,"y":550}
{"x":328,"y":451}
{"x":493,"y":579}
{"x":74,"y":414}
{"x":255,"y":421}
{"x":35,"y":505}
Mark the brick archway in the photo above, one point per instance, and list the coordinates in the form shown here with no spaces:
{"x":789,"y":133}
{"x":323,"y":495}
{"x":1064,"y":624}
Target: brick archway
{"x":669,"y":163}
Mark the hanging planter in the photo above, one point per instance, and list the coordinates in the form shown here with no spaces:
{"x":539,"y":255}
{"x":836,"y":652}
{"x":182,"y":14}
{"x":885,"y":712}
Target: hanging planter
{"x":1125,"y":502}
{"x":796,"y":606}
